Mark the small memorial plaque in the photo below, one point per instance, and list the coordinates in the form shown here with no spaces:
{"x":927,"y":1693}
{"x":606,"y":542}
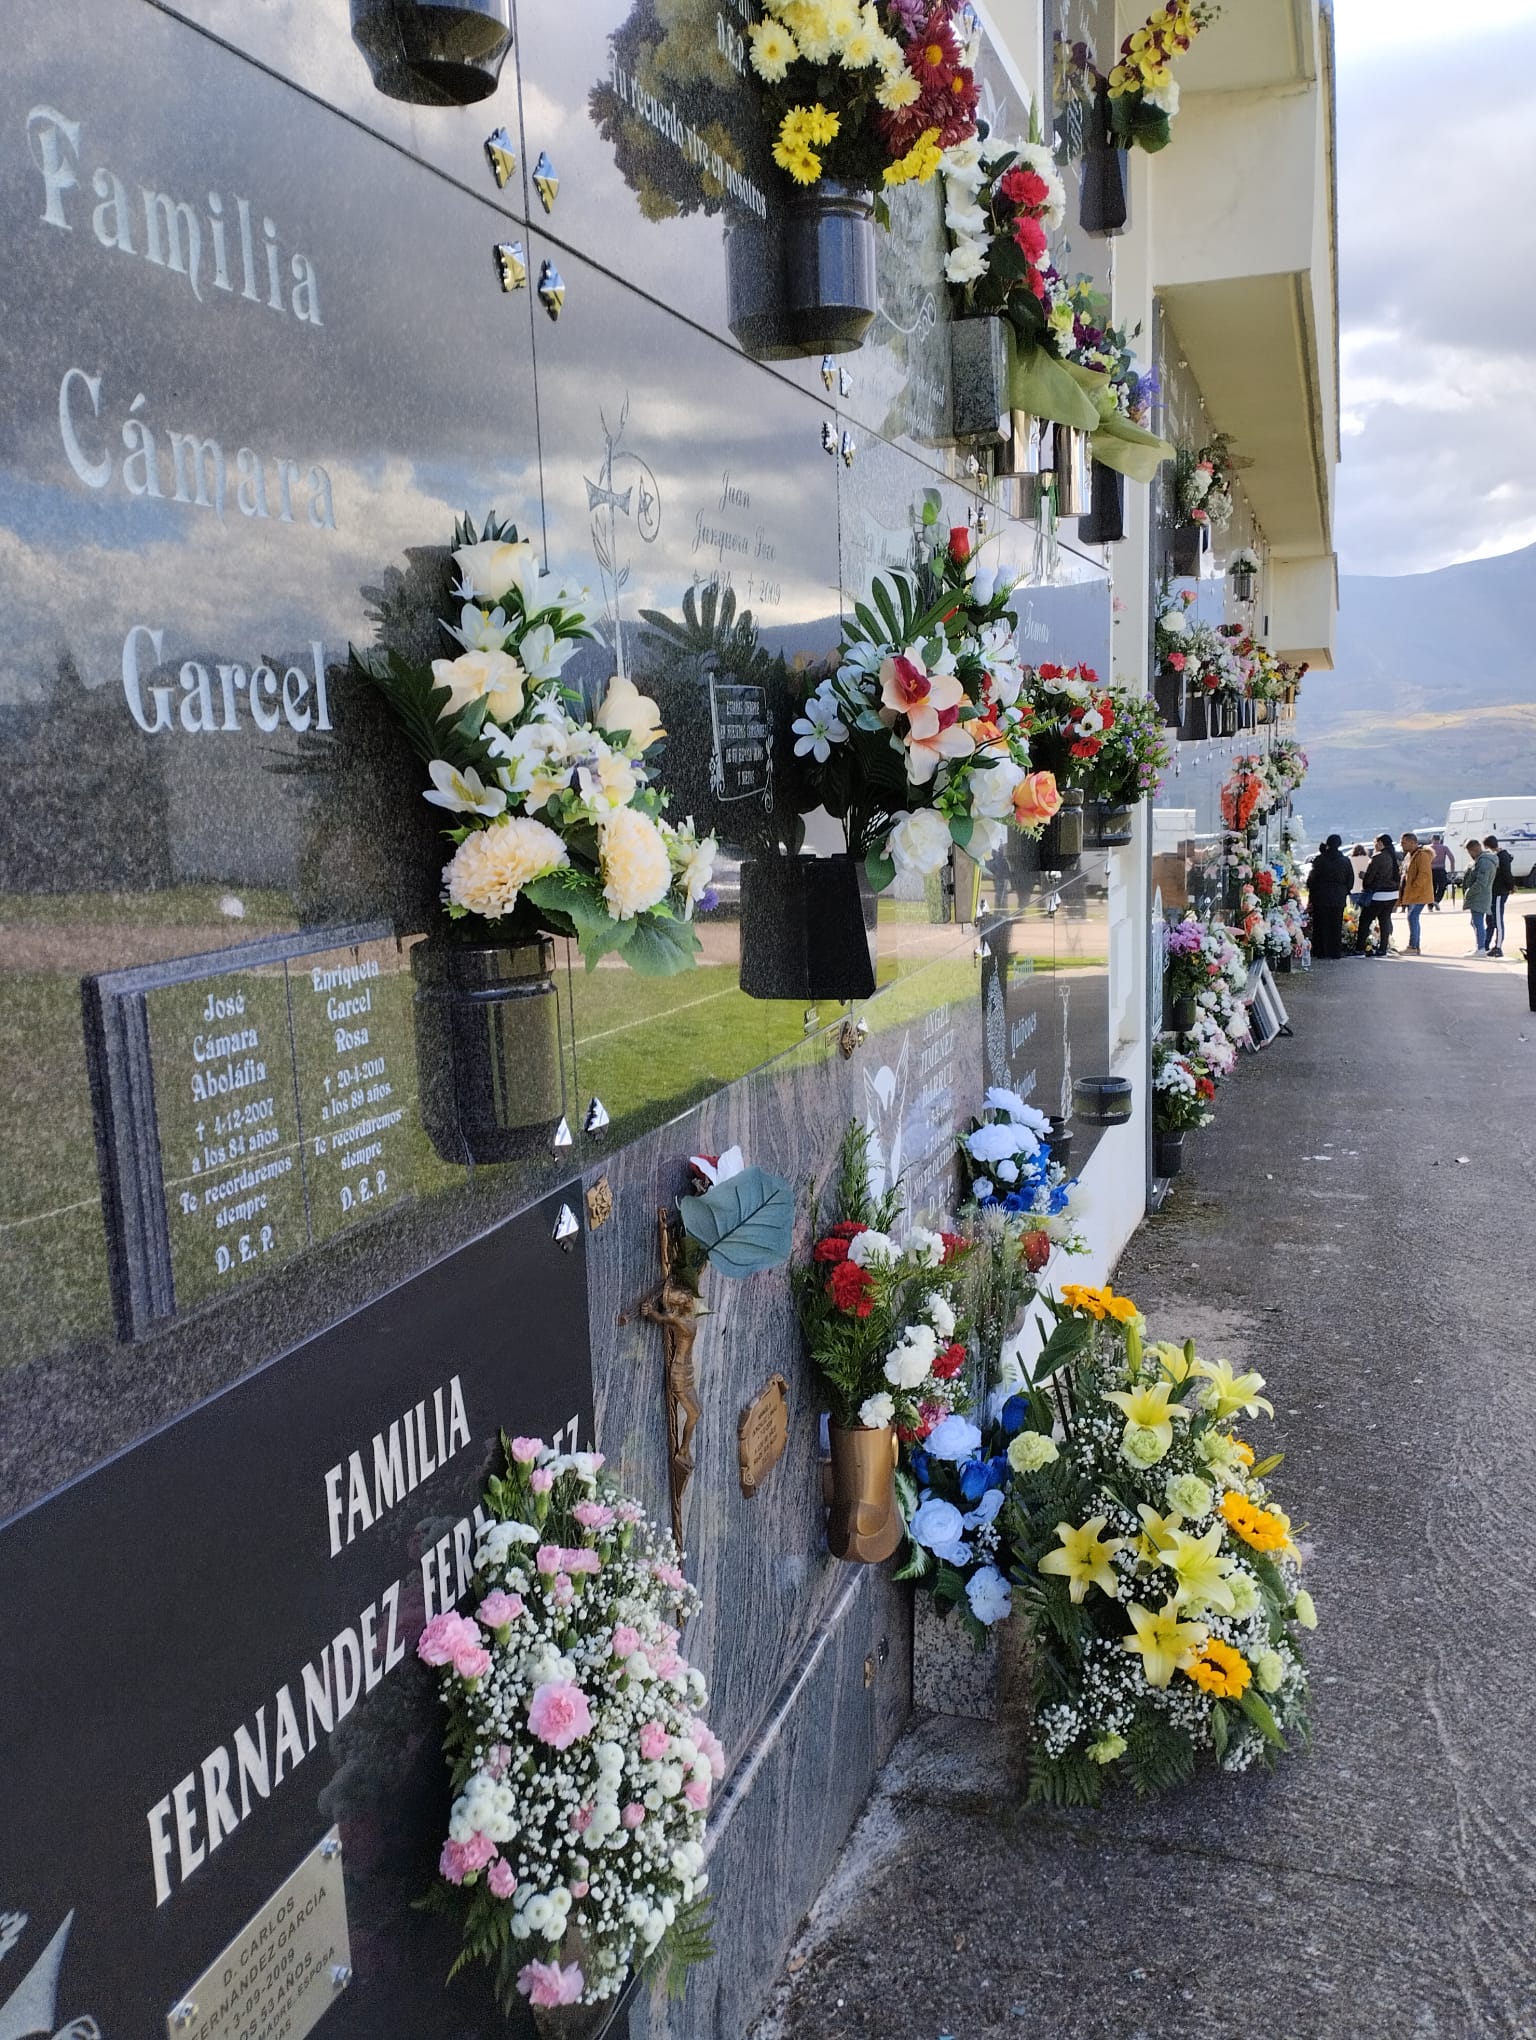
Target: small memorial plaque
{"x":284,"y":1970}
{"x":762,"y":1432}
{"x":741,"y":765}
{"x":249,"y":1105}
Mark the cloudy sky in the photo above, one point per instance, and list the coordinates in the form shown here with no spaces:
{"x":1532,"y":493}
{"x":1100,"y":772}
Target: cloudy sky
{"x":1437,"y":158}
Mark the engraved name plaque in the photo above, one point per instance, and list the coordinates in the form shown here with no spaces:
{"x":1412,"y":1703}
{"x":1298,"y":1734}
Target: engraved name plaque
{"x":284,"y":1970}
{"x":762,"y":1432}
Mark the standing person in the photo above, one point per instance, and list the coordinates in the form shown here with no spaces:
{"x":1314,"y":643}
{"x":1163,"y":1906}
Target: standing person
{"x":1328,"y":887}
{"x":1359,"y":858}
{"x":1442,"y":860}
{"x":1482,"y":866}
{"x":1380,"y":886}
{"x":1416,"y":889}
{"x":1503,"y":886}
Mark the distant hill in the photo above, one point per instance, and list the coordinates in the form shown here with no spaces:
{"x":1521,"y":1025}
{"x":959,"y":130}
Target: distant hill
{"x":1433,"y":696}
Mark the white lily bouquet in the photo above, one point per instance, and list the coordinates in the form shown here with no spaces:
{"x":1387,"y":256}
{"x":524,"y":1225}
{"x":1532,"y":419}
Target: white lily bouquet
{"x":558,"y":828}
{"x":582,"y":1765}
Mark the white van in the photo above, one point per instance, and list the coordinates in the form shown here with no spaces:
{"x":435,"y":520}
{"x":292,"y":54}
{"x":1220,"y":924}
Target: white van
{"x":1512,"y":820}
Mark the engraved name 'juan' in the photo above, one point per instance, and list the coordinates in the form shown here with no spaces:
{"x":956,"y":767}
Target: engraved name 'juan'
{"x":169,"y":232}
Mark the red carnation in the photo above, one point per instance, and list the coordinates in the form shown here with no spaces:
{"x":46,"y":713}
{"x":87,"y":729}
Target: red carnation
{"x":1024,"y":187}
{"x":1036,"y":1248}
{"x":954,"y":1244}
{"x":830,"y":1249}
{"x":950,"y":1362}
{"x":1030,"y":236}
{"x":1205,"y":1087}
{"x":850,"y":1287}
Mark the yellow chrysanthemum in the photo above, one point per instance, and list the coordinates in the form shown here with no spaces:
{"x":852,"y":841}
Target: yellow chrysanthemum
{"x":803,"y":164}
{"x":1262,"y":1529}
{"x":821,"y":126}
{"x":774,"y":49}
{"x":1219,"y":1670}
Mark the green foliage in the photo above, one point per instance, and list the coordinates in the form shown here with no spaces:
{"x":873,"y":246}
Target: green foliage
{"x":745,"y":1224}
{"x":418,"y":702}
{"x":1158,"y":1756}
{"x":686,"y":1943}
{"x":1072,"y":1780}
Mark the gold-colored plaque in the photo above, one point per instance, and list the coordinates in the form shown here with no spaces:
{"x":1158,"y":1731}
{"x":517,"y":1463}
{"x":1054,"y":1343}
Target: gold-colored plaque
{"x":599,"y":1203}
{"x":285,"y":1968}
{"x":762,"y":1432}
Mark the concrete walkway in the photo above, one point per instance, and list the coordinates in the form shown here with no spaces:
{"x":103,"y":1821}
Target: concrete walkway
{"x":1359,"y":1226}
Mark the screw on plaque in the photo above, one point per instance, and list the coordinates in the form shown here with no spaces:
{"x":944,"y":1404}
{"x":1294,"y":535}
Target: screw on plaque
{"x":180,"y":2015}
{"x":844,"y":383}
{"x":330,"y":1848}
{"x":341,"y":1976}
{"x":551,"y":288}
{"x":563,"y":1137}
{"x":566,"y":1227}
{"x":828,"y":373}
{"x":597,"y":1117}
{"x":545,"y":182}
{"x":848,"y":449}
{"x":828,"y":436}
{"x":511,"y":265}
{"x":502,"y":157}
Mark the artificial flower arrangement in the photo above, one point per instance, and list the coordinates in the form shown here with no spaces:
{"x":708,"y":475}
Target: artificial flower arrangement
{"x":1171,"y":627}
{"x":879,"y":1312}
{"x":1114,"y":745}
{"x":1203,"y":481}
{"x":1007,"y":1160}
{"x":1182,"y":1090}
{"x":866,"y":94}
{"x":1003,"y":201}
{"x":1207,"y":965}
{"x":1143,"y":92}
{"x":1159,"y":1584}
{"x":557,"y":827}
{"x":581,"y":1762}
{"x":1244,"y":561}
{"x":1246,"y":795}
{"x":1102,"y":358}
{"x":916,"y":739}
{"x":1287,"y":765}
{"x":735,"y":1217}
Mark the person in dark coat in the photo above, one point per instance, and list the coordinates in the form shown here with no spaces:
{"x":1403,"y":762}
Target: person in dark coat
{"x":1503,"y":886}
{"x":1381,"y":884}
{"x":1329,"y":884}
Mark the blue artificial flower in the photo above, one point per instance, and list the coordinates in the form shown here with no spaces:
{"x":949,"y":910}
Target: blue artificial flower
{"x":986,"y":1509}
{"x":953,"y":1437}
{"x":1015,"y":1414}
{"x":937,"y":1524}
{"x":918,"y":1460}
{"x":975,"y":1479}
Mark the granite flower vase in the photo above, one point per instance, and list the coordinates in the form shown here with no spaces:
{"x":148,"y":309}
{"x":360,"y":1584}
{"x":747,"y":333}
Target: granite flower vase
{"x":434,"y":52}
{"x":1104,"y":184}
{"x":864,"y":1523}
{"x":1108,"y":825}
{"x":1061,"y":840}
{"x":1103,"y":523}
{"x":488,"y":1059}
{"x":1167,"y":1153}
{"x":807,"y":928}
{"x":829,"y":267}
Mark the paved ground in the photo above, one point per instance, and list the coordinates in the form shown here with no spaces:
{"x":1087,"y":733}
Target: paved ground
{"x":1359,"y":1226}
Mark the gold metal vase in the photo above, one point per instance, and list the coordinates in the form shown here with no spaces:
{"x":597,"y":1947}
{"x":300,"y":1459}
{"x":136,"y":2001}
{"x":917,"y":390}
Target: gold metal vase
{"x":863,"y":1523}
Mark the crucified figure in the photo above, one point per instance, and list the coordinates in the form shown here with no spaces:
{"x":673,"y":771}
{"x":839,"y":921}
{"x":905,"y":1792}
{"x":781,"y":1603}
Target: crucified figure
{"x":675,"y":1307}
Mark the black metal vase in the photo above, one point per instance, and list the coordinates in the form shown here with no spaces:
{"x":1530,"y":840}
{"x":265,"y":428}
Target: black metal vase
{"x":434,"y":52}
{"x":1242,"y":585}
{"x":755,"y":307}
{"x":1167,"y":1153}
{"x":1187,"y":546}
{"x":488,"y":1059}
{"x":1103,"y":523}
{"x":829,"y":267}
{"x":1280,"y":965}
{"x":1104,"y":184}
{"x":1108,"y":825}
{"x":807,"y":928}
{"x":1169,"y":691}
{"x":1059,"y":1141}
{"x":1199,"y":719}
{"x":1181,"y":1015}
{"x":1061,"y":840}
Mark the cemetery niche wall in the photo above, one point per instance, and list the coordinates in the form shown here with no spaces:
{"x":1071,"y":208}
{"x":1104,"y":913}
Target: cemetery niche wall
{"x":268,"y":331}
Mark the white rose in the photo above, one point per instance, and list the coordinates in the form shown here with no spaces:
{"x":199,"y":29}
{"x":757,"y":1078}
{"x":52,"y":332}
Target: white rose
{"x":876,"y":1410}
{"x":493,"y":568}
{"x":919,"y":843}
{"x":992,"y":787}
{"x":987,"y":838}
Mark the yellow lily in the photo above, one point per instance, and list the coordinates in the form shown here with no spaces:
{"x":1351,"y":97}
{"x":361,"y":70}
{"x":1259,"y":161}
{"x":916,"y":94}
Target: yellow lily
{"x":1196,"y":1563}
{"x":1234,"y":1392}
{"x":1175,"y":1361}
{"x":1149,"y":1409}
{"x":1162,"y":1533}
{"x":1164,"y":1644}
{"x":1083,"y":1558}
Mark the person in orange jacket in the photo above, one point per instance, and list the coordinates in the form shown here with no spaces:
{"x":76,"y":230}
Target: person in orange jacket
{"x":1416,"y":889}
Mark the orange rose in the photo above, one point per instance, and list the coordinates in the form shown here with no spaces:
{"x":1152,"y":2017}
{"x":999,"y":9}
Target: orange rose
{"x":1035,"y":799}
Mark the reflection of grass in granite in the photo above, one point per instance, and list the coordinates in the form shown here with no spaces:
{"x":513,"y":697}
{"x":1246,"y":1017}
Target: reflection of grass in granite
{"x":182,"y":906}
{"x":53,"y":1268}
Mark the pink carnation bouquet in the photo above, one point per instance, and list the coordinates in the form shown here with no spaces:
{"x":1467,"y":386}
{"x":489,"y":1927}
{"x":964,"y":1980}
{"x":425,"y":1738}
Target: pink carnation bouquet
{"x":581,"y":1762}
